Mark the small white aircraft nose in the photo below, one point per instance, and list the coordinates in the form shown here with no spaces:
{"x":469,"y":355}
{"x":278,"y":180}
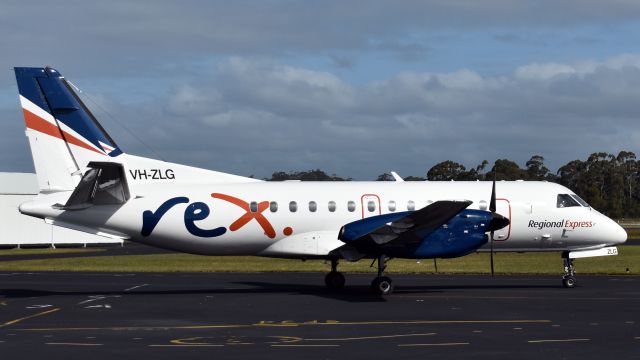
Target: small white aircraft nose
{"x":617,"y":234}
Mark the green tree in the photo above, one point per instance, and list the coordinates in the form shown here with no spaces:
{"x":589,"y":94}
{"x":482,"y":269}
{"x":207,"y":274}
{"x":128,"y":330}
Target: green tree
{"x":536,"y":169}
{"x":507,"y":170}
{"x":414,"y":178}
{"x":570,"y":175}
{"x":628,"y":172}
{"x":311,"y":175}
{"x":446,"y":170}
{"x":385,"y":177}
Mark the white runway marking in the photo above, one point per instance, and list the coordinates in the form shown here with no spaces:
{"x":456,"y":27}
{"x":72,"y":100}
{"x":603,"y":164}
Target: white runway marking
{"x":96,"y":298}
{"x":106,"y":306}
{"x":556,"y":341}
{"x":136,"y":287}
{"x":92,"y":298}
{"x":44,"y":306}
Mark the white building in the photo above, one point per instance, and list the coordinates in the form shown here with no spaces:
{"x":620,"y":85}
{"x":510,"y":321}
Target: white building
{"x":17,"y":230}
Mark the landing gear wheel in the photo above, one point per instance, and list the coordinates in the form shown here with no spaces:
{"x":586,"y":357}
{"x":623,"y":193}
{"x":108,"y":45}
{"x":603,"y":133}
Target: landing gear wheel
{"x":382,"y":285}
{"x":334,"y":280}
{"x":569,"y":282}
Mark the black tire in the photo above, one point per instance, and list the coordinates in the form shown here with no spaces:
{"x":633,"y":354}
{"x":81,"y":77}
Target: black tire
{"x":334,"y":280}
{"x":382,"y":286}
{"x":569,"y":282}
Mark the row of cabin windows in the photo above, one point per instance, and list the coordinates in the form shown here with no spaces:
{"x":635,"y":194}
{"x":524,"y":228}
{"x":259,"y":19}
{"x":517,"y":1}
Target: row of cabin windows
{"x":331,"y":206}
{"x":563,"y":200}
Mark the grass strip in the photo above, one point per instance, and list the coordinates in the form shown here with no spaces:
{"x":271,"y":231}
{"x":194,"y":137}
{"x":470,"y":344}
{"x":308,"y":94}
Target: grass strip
{"x":627,"y":262}
{"x":47,"y":251}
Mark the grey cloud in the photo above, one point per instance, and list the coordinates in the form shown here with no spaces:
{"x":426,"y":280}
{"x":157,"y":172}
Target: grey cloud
{"x":265,"y":117}
{"x":285,"y":89}
{"x":255,"y":114}
{"x":125,"y":37}
{"x":255,"y":117}
{"x":342,"y":61}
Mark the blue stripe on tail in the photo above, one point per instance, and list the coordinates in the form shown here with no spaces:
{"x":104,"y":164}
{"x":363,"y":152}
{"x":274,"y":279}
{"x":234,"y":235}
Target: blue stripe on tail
{"x":46,"y":88}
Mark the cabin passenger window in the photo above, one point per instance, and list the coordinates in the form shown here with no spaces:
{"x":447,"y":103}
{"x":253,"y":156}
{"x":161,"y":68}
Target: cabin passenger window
{"x":293,"y":206}
{"x":351,"y":206}
{"x":313,"y":206}
{"x":332,"y":206}
{"x":411,"y":205}
{"x":371,"y":206}
{"x":392,"y":205}
{"x":253,"y":206}
{"x":273,"y":206}
{"x":565,"y":200}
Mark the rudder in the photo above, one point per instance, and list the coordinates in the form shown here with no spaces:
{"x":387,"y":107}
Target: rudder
{"x":63,"y":134}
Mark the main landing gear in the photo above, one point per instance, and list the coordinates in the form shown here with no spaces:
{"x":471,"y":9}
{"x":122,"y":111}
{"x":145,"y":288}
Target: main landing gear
{"x":568,"y":280}
{"x":382,"y":285}
{"x":334,"y":279}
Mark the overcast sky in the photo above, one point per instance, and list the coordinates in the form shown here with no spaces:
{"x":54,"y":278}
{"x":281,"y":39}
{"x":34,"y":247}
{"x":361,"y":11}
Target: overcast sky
{"x":356,"y":88}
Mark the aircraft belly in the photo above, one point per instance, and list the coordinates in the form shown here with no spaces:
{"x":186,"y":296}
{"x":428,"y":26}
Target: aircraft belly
{"x":313,"y":243}
{"x":203,"y":246}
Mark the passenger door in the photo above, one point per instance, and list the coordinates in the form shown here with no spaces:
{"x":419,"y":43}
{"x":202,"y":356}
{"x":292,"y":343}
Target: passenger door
{"x":370,"y":205}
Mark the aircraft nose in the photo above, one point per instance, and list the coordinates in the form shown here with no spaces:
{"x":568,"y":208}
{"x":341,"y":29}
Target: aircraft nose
{"x":618,"y":234}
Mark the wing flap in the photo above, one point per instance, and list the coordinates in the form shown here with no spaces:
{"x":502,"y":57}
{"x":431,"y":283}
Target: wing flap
{"x":412,"y":228}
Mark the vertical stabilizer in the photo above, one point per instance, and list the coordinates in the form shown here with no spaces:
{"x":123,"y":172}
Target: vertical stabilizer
{"x":63,"y":134}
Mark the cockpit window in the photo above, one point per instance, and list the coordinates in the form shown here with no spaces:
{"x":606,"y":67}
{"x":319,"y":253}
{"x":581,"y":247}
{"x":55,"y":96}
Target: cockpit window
{"x":565,"y":200}
{"x":580,"y":200}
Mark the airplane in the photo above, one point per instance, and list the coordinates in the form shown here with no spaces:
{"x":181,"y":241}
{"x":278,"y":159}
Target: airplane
{"x":89,"y":184}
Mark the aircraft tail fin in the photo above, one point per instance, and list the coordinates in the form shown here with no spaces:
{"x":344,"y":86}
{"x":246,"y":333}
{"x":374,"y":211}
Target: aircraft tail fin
{"x":63,"y":134}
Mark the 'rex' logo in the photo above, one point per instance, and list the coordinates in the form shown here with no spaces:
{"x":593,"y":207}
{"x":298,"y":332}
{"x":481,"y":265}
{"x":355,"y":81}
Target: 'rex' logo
{"x":248,"y":215}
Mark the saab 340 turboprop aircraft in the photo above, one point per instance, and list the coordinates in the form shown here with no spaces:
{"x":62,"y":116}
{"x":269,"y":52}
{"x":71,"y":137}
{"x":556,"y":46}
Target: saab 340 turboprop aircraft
{"x":87,"y":183}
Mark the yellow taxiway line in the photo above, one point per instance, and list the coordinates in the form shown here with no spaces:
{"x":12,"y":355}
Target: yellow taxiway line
{"x":285,"y":324}
{"x":12,"y":322}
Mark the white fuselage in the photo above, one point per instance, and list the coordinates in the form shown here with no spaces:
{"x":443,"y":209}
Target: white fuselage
{"x":257,"y":218}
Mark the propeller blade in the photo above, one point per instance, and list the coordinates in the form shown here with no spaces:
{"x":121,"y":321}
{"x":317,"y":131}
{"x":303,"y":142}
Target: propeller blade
{"x":492,"y":203}
{"x":497,"y":222}
{"x":492,"y":208}
{"x":491,"y":253}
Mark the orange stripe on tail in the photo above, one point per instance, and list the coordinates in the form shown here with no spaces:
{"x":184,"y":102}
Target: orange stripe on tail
{"x":37,"y":123}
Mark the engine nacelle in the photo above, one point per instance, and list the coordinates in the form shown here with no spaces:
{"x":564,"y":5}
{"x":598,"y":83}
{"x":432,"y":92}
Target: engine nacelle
{"x":357,"y":229}
{"x":461,"y":235}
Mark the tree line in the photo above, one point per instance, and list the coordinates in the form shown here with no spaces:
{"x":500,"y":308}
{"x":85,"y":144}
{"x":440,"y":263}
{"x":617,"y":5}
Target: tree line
{"x":608,"y":182}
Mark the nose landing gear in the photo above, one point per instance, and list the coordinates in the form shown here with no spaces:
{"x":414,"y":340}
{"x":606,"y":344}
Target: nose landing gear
{"x":568,"y":280}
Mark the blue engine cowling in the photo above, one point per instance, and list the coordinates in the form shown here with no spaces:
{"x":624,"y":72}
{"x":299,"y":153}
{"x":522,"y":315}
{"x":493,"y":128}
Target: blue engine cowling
{"x":357,"y":229}
{"x":461,"y":235}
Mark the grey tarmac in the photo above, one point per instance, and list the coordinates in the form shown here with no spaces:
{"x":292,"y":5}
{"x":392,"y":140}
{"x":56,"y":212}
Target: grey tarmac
{"x":293,"y":316}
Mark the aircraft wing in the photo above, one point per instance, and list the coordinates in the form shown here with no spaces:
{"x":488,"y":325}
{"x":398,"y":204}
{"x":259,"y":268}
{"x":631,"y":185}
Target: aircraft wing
{"x":401,"y":229}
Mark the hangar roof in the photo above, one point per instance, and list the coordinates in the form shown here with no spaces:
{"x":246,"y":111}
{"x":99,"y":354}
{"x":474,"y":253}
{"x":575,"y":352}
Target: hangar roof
{"x":18,"y":183}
